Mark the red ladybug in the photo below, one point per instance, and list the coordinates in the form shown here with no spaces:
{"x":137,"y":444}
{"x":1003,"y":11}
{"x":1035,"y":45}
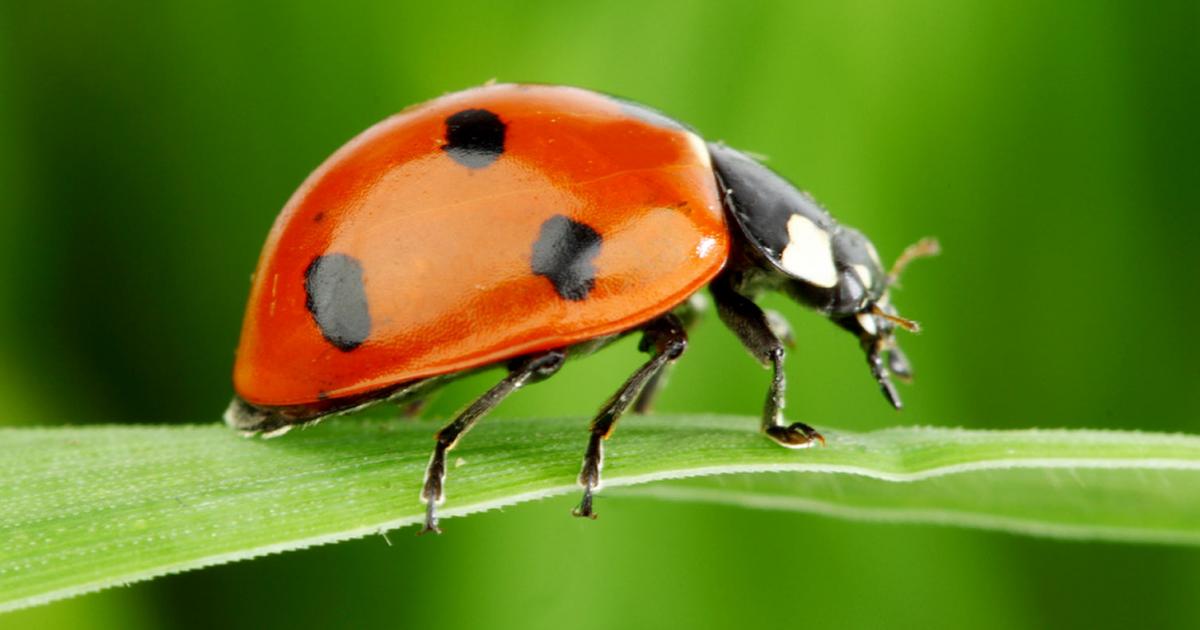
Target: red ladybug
{"x":523,"y":225}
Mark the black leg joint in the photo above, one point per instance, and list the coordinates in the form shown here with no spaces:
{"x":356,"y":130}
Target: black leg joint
{"x":539,"y":366}
{"x":665,"y":336}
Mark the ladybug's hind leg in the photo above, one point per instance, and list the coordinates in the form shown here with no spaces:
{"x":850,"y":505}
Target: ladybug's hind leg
{"x":760,"y":333}
{"x":529,"y":369}
{"x":666,"y":339}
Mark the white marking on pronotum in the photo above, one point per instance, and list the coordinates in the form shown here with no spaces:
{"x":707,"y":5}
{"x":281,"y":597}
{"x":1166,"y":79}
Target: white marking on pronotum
{"x":705,"y":246}
{"x":809,"y":255}
{"x":701,"y":149}
{"x":867,"y":321}
{"x":864,"y":274}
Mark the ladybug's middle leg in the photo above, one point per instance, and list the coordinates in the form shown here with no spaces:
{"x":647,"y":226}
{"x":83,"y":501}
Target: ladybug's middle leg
{"x":689,"y":313}
{"x":522,"y":371}
{"x":666,"y":338}
{"x":760,"y":333}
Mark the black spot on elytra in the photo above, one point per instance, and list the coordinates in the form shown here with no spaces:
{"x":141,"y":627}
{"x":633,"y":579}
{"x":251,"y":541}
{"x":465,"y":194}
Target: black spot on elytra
{"x":318,"y":217}
{"x":474,"y":137}
{"x":334,"y":294}
{"x":564,"y":253}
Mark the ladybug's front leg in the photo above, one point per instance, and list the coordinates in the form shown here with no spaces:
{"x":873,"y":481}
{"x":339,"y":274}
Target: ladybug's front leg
{"x":666,"y":338}
{"x":525,"y":370}
{"x":757,"y":332}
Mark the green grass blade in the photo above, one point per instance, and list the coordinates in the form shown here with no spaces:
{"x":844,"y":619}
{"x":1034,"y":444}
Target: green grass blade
{"x":1127,"y":504}
{"x":83,"y":509}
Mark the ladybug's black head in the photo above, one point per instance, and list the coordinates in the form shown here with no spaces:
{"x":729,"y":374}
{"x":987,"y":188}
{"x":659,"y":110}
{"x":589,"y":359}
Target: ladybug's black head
{"x":796,"y":246}
{"x":861,"y":304}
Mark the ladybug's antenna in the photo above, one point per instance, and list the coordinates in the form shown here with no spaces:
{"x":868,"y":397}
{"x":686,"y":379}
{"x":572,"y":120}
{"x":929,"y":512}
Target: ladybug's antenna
{"x":903,"y":322}
{"x":923,"y":248}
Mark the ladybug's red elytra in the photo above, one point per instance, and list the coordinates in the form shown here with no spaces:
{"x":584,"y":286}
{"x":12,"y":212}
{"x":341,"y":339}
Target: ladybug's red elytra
{"x":523,"y":225}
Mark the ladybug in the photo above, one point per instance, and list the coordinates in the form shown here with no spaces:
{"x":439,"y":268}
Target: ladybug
{"x":524,"y":225}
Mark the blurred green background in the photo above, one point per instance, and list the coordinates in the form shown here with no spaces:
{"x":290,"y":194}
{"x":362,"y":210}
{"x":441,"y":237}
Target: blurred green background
{"x":145,"y":149}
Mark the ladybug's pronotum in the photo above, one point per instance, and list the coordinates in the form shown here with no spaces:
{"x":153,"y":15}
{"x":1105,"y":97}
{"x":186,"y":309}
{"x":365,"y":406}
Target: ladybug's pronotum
{"x":524,"y":225}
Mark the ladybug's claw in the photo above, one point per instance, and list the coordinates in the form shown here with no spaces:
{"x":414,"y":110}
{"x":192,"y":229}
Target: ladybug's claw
{"x":589,"y":477}
{"x":431,"y":520}
{"x":585,"y":506}
{"x":431,"y":494}
{"x":796,"y":435}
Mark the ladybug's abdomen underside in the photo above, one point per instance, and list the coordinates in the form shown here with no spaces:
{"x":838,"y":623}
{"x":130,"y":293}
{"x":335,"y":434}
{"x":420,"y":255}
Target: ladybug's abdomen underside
{"x":478,"y":227}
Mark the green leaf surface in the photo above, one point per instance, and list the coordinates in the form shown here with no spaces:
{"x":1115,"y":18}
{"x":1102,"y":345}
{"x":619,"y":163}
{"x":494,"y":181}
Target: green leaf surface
{"x":87,"y":508}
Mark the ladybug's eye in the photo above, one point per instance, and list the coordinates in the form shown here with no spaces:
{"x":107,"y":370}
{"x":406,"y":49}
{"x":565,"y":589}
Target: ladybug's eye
{"x":850,"y":293}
